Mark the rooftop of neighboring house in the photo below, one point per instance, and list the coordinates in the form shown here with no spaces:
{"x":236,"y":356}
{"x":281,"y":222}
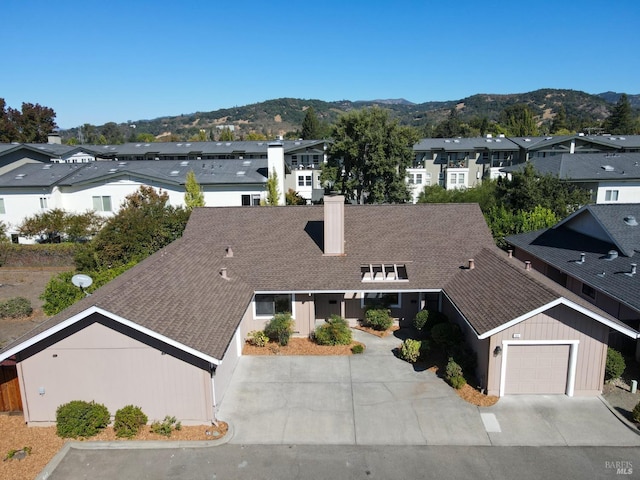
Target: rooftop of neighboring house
{"x":234,"y":171}
{"x":465,"y":144}
{"x":619,"y":166}
{"x":597,"y":245}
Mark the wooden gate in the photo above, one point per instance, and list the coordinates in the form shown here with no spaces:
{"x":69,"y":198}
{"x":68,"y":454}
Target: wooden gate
{"x":10,"y":400}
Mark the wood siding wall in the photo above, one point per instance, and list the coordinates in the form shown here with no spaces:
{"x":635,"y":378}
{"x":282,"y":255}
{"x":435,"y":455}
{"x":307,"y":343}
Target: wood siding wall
{"x":559,"y":323}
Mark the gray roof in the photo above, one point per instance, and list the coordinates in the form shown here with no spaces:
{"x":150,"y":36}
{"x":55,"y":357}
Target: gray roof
{"x":465,"y":144}
{"x":562,"y":246}
{"x":208,"y":172}
{"x":621,"y":166}
{"x":612,"y":142}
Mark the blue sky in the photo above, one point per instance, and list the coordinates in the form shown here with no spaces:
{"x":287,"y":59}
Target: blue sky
{"x":94,"y":62}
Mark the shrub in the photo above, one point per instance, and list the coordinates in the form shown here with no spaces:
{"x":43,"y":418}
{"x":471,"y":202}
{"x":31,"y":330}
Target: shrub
{"x":378,"y":319}
{"x":335,"y":331}
{"x":128,"y":421}
{"x":446,"y":334}
{"x":23,"y":452}
{"x":465,"y":357}
{"x":635,"y":414}
{"x":166,"y":426}
{"x":410,"y":350}
{"x":15,"y":307}
{"x":258,"y":338}
{"x":615,"y":364}
{"x":280,"y":328}
{"x":457,"y":382}
{"x":357,"y":348}
{"x":425,"y":320}
{"x":81,"y":419}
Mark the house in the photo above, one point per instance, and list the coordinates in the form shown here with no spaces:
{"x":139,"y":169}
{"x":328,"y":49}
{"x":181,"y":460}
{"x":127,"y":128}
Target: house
{"x":592,"y":253}
{"x":167,"y":334}
{"x":548,"y":146}
{"x":13,"y":155}
{"x":611,"y":177}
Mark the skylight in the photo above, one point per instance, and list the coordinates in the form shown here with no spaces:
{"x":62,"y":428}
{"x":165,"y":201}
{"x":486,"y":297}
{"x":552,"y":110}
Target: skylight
{"x":383,"y":272}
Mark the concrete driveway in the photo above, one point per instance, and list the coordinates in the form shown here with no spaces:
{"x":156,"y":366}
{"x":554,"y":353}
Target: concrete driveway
{"x":376,"y":399}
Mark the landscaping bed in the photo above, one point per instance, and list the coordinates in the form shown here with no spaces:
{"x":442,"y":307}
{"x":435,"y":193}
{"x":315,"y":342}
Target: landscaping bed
{"x":298,"y":346}
{"x":44,"y":443}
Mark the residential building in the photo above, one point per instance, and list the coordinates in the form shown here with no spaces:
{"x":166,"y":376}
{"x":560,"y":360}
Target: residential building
{"x":167,"y":334}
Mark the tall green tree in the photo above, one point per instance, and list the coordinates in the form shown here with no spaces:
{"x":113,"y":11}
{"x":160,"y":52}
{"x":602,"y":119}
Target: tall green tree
{"x":8,"y":128}
{"x":112,"y":133}
{"x":193,"y":196}
{"x":226,"y":135}
{"x":273,"y":193}
{"x":32,"y":124}
{"x":58,"y":225}
{"x":559,"y":124}
{"x":310,"y":125}
{"x":620,"y":120}
{"x":369,"y":157}
{"x":519,"y":121}
{"x":145,"y":223}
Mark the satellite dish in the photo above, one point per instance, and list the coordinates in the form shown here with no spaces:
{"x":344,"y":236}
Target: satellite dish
{"x":82,"y":281}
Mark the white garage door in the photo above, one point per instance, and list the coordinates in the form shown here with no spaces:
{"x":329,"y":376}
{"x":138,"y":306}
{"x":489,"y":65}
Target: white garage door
{"x":537,"y":369}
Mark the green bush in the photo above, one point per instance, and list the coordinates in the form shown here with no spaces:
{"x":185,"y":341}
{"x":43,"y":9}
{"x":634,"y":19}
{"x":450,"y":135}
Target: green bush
{"x":128,"y":421}
{"x":465,"y":357}
{"x":425,"y":320}
{"x":446,"y":335}
{"x":357,"y":348}
{"x":258,"y":338}
{"x":280,"y":328}
{"x":81,"y":419}
{"x":457,"y":382}
{"x":15,"y":307}
{"x":410,"y":350}
{"x":615,"y":364}
{"x":378,"y":319}
{"x":166,"y":427}
{"x":335,"y":331}
{"x":635,"y":414}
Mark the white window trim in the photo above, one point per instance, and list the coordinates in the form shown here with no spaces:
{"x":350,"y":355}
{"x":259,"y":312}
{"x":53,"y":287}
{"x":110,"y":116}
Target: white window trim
{"x":397,"y":305}
{"x":573,"y":360}
{"x":266,"y":317}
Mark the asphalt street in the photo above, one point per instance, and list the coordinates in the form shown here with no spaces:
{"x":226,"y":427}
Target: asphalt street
{"x":337,"y":462}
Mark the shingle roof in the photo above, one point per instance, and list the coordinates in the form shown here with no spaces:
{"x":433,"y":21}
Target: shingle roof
{"x":561,"y":247}
{"x":499,"y":290}
{"x":465,"y":144}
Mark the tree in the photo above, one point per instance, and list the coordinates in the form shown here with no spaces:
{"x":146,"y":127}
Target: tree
{"x":144,"y":224}
{"x":369,"y":157}
{"x":310,"y":125}
{"x":112,"y":133}
{"x":57,"y":225}
{"x":226,"y":135}
{"x":145,"y":138}
{"x":32,"y":124}
{"x":193,"y":196}
{"x":451,"y":127}
{"x":559,"y":124}
{"x":519,"y":121}
{"x":273,"y":195}
{"x":253,"y":136}
{"x":620,"y":120}
{"x":294,"y":198}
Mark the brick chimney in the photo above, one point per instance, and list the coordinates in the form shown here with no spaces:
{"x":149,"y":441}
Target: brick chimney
{"x":334,"y":225}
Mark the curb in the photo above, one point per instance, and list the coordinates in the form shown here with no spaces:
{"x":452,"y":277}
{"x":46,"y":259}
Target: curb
{"x":130,"y":445}
{"x":631,"y":426}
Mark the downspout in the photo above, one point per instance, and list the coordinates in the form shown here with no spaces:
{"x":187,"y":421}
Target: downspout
{"x":212,"y":371}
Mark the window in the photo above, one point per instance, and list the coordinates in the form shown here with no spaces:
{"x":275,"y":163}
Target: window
{"x":269,"y":305}
{"x":383,"y":272}
{"x":102,"y":204}
{"x":419,"y":178}
{"x":2,"y":206}
{"x":251,"y":200}
{"x":301,"y":181}
{"x":43,"y":203}
{"x":461,"y":179}
{"x":389,"y":300}
{"x":588,"y":291}
{"x":454,"y":178}
{"x":611,"y":196}
{"x":304,"y":180}
{"x":411,"y":181}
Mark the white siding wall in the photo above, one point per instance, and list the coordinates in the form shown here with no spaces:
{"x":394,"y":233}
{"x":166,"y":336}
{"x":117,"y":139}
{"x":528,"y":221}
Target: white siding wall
{"x":628,"y":192}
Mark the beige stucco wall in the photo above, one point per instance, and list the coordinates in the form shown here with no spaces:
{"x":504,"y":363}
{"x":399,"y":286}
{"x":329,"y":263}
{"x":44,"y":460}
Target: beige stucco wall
{"x":559,"y":323}
{"x":101,"y":364}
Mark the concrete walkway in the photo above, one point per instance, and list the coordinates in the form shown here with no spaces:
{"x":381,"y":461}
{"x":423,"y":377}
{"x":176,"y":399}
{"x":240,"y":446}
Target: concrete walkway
{"x":376,"y":399}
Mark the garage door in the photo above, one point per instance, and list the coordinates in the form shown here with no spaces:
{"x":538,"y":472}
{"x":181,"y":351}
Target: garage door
{"x":537,"y":369}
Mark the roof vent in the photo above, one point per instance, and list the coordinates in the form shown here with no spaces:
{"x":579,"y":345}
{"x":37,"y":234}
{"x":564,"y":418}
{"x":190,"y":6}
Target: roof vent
{"x":174,"y":173}
{"x":184,"y":164}
{"x":527,"y":265}
{"x":607,"y":168}
{"x":582,"y":258}
{"x":612,"y":255}
{"x":228,"y":252}
{"x":630,"y":220}
{"x":240,"y":173}
{"x":472,"y":264}
{"x":223,"y":273}
{"x":527,"y":139}
{"x":113,"y":170}
{"x":634,"y":267}
{"x":46,"y":167}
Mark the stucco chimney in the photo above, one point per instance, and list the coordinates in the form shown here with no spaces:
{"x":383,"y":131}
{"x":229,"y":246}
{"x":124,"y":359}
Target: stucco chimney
{"x":527,"y":265}
{"x":472,"y":264}
{"x":334,"y":225}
